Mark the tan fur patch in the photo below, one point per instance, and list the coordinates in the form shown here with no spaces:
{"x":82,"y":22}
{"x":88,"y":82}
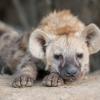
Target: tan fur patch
{"x":67,"y":30}
{"x":61,"y":23}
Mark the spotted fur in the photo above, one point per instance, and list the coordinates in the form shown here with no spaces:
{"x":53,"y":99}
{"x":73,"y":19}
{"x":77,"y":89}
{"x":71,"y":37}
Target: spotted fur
{"x":60,"y":35}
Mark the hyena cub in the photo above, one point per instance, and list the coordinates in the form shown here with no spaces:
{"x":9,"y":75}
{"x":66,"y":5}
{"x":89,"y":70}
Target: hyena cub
{"x":63,"y":43}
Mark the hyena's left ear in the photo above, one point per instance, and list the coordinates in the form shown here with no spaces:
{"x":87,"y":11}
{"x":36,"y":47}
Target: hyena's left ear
{"x":92,"y":37}
{"x":37,"y":43}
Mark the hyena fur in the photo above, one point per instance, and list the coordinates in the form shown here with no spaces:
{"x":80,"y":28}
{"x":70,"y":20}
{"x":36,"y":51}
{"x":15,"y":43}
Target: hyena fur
{"x":62,"y":42}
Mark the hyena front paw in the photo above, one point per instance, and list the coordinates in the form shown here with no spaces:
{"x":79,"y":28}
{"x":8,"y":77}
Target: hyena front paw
{"x":53,"y":80}
{"x":22,"y":81}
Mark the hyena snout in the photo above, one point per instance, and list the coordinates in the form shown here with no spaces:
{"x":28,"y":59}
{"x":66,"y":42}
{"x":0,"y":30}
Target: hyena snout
{"x":70,"y":72}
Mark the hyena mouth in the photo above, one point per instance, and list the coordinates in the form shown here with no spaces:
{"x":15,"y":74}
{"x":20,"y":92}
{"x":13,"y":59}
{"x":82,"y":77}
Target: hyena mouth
{"x":70,"y":78}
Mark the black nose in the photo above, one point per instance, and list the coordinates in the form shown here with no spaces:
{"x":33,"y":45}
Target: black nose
{"x":70,"y":71}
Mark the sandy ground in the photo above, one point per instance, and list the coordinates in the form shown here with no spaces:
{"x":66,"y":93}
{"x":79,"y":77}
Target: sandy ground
{"x":88,"y":89}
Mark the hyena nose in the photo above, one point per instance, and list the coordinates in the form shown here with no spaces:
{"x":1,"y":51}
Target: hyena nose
{"x":71,"y":71}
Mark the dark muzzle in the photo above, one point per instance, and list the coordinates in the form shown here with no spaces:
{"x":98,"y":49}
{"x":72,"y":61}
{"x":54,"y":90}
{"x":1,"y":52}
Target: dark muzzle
{"x":70,"y":72}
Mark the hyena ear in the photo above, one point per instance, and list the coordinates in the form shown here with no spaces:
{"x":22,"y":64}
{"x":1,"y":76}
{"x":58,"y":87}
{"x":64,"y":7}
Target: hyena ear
{"x":37,"y":43}
{"x":92,"y":37}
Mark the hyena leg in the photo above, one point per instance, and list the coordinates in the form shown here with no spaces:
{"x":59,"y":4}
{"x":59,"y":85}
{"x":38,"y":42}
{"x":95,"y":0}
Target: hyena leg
{"x":53,"y":80}
{"x":25,"y":75}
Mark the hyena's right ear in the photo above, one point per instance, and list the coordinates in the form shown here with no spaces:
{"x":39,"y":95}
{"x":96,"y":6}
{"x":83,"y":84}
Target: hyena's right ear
{"x":37,"y":43}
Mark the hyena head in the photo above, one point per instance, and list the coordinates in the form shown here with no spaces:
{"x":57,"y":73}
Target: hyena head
{"x":66,"y":54}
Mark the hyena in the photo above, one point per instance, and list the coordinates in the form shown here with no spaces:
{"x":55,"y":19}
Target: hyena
{"x":61,"y":45}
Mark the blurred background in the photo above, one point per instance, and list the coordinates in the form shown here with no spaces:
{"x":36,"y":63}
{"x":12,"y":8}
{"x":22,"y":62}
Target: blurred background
{"x":25,"y":14}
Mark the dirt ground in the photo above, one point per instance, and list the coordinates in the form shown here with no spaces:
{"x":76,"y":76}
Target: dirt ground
{"x":88,"y":89}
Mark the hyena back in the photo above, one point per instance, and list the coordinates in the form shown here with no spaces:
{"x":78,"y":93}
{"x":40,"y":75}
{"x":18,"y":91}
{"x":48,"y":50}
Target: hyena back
{"x":10,"y":54}
{"x":63,"y":43}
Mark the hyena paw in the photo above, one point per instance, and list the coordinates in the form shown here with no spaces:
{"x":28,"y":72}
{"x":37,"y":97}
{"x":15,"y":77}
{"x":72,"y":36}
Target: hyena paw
{"x":53,"y":80}
{"x":22,"y":81}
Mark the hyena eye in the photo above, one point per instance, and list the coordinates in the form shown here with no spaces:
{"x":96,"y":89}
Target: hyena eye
{"x":79,"y":55}
{"x":57,"y":56}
